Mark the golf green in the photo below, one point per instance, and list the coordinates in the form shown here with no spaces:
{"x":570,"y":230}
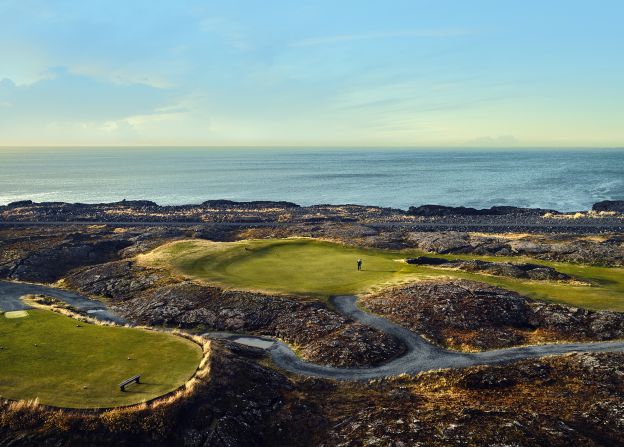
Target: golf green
{"x":311,"y":267}
{"x":67,"y":363}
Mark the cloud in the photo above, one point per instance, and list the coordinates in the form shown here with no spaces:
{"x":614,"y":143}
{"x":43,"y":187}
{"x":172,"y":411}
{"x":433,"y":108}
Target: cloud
{"x":65,"y":97}
{"x":64,"y":107}
{"x":424,"y":33}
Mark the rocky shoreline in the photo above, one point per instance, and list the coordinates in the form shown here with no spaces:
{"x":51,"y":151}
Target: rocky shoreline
{"x":604,"y":216}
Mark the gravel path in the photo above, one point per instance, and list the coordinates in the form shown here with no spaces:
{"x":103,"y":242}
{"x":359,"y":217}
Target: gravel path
{"x":419,"y":356}
{"x":11,"y":292}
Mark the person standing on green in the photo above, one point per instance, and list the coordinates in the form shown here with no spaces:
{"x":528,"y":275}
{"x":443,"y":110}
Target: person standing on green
{"x":359,"y":264}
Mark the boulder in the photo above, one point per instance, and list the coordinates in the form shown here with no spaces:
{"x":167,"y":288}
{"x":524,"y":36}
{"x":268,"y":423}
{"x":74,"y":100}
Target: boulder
{"x":609,"y":205}
{"x":20,"y":203}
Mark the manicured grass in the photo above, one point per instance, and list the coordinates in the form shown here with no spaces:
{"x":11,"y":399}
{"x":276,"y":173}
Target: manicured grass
{"x":312,"y":267}
{"x":46,"y":355}
{"x":299,"y":266}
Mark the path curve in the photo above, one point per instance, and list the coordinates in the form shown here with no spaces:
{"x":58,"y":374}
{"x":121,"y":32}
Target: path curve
{"x":419,"y":356}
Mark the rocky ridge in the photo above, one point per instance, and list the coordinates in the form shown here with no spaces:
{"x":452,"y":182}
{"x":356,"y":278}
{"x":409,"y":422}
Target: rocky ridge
{"x":440,"y":210}
{"x":606,"y":250}
{"x":503,"y":218}
{"x":519,"y":270}
{"x":468,"y":315}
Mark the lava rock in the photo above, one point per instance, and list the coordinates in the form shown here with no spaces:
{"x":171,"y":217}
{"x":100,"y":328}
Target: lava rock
{"x":609,"y":205}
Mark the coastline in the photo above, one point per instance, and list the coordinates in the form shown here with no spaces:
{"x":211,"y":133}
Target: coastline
{"x":604,"y":217}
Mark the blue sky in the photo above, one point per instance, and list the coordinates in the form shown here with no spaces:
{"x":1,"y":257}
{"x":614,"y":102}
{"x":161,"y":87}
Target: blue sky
{"x":373,"y":73}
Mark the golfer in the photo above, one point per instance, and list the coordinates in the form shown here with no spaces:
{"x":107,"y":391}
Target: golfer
{"x":359,"y":264}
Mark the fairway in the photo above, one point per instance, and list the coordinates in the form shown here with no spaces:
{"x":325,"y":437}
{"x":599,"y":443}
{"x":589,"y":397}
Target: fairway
{"x":68,"y":363}
{"x":311,"y":267}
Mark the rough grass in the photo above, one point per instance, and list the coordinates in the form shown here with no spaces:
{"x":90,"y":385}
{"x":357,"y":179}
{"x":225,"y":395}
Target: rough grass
{"x":63,"y":362}
{"x":311,"y":267}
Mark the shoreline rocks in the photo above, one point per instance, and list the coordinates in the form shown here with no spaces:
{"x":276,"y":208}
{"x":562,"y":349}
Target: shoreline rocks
{"x":441,"y":210}
{"x":426,"y":217}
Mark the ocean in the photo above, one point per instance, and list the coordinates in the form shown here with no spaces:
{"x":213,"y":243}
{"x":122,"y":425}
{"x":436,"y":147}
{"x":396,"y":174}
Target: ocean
{"x":565,"y":180}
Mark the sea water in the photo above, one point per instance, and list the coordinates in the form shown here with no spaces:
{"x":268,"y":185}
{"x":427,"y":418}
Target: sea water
{"x":565,"y":180}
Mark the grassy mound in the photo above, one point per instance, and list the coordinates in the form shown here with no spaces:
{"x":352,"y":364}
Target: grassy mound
{"x":68,"y":363}
{"x":299,"y":266}
{"x":307,"y":266}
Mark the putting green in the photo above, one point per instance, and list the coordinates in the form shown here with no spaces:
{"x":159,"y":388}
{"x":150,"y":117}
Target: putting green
{"x":312,"y":267}
{"x":68,"y":363}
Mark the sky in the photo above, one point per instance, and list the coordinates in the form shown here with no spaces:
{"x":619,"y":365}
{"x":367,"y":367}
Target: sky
{"x":312,"y":73}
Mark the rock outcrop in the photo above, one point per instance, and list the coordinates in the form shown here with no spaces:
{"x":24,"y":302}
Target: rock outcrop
{"x":607,"y":250}
{"x":609,"y":205}
{"x":47,"y":253}
{"x":51,"y":263}
{"x":520,"y":270}
{"x":440,"y":210}
{"x":470,"y":315}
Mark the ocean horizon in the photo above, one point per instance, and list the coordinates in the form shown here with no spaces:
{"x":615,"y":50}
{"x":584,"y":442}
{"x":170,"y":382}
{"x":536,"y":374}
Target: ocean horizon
{"x":561,"y":179}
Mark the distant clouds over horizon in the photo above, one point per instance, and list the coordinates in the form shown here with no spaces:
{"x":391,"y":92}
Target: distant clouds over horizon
{"x":393,"y":73}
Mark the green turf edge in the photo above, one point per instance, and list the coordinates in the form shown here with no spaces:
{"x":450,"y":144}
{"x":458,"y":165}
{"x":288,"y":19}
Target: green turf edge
{"x":22,"y":359}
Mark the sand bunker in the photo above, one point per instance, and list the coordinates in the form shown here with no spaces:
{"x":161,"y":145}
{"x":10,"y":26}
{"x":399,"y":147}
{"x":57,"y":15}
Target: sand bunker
{"x":16,"y":314}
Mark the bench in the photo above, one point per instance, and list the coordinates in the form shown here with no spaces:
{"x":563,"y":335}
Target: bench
{"x":122,"y":385}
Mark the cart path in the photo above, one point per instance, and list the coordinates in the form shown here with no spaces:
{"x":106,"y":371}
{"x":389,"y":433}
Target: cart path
{"x":11,"y":293}
{"x":419,"y":356}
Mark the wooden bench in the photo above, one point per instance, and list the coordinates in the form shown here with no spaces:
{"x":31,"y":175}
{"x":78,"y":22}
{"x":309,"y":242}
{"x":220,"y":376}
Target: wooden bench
{"x":122,"y":385}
